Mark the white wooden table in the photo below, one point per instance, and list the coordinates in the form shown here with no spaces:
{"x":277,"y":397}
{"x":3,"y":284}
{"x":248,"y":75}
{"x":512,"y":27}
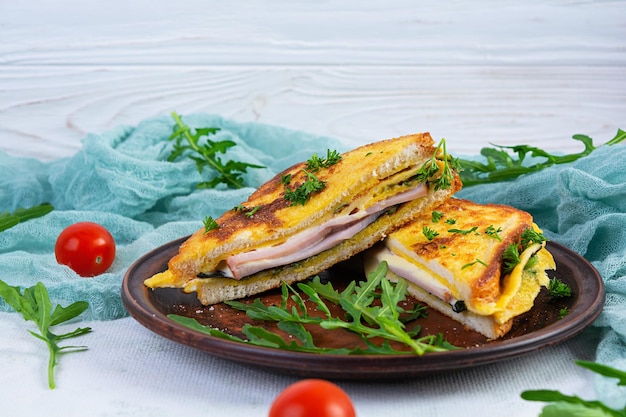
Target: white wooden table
{"x":506,"y":72}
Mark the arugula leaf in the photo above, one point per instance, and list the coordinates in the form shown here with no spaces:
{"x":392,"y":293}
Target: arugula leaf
{"x":188,"y":141}
{"x":363,"y":317}
{"x":605,"y":370}
{"x":8,"y":220}
{"x":565,"y":405}
{"x":34,"y":305}
{"x":501,"y":165}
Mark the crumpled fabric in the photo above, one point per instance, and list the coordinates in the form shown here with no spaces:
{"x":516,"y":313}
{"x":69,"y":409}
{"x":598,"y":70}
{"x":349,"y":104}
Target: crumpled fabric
{"x":582,"y":205}
{"x":122,"y":180}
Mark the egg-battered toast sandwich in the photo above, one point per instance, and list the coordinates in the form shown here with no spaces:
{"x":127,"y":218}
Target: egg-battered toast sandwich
{"x":312,"y":216}
{"x":481,"y":265}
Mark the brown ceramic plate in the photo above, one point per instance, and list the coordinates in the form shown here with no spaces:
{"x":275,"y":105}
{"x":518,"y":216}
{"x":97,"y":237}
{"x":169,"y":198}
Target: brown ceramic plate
{"x":538,"y":328}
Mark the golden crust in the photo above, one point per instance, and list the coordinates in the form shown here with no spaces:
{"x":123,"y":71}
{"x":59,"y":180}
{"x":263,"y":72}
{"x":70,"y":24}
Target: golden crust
{"x":474,"y":257}
{"x":214,"y":290}
{"x":275,"y":219}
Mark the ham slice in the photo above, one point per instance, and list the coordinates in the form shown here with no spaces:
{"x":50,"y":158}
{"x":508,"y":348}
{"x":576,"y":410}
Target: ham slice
{"x":315,"y":240}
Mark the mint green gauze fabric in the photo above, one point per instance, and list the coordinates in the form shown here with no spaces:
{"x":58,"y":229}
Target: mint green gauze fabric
{"x":122,"y":180}
{"x":582,"y":206}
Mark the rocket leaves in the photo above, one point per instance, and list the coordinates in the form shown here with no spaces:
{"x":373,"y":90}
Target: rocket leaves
{"x":8,"y":220}
{"x":195,"y":143}
{"x":505,"y":163}
{"x":371,"y":310}
{"x":563,"y":404}
{"x":34,"y":305}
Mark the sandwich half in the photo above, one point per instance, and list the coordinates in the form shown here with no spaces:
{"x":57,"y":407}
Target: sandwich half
{"x":481,"y":265}
{"x":312,"y":216}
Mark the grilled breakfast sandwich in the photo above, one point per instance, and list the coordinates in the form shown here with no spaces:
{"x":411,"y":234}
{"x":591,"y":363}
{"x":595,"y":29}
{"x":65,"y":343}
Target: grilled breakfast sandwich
{"x":481,"y":265}
{"x":312,"y":216}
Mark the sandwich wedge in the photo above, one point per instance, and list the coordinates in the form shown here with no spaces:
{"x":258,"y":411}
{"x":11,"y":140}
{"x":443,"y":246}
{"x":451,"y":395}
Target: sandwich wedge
{"x":481,"y":265}
{"x":312,"y":216}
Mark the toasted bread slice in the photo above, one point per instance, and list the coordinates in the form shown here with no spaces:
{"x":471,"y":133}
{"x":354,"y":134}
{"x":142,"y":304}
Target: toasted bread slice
{"x":269,"y":239}
{"x":455,"y":260}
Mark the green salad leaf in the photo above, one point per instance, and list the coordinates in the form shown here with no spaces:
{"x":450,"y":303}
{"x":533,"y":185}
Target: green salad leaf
{"x":195,"y":144}
{"x":571,"y":405}
{"x":371,"y":310}
{"x":505,"y":163}
{"x":34,"y":305}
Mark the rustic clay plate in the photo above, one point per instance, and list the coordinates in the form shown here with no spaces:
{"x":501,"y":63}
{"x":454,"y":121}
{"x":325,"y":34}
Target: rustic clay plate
{"x":538,"y":328}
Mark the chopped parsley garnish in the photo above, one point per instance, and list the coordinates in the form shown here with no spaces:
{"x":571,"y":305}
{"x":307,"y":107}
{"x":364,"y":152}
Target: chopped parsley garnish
{"x":249,"y":211}
{"x":513,"y":251}
{"x":531,"y":236}
{"x":510,"y":257}
{"x":430,"y":170}
{"x":463,"y":232}
{"x":436,"y":216}
{"x":477,"y":261}
{"x":451,"y":221}
{"x":491,"y":231}
{"x":429,"y":233}
{"x":302,"y":193}
{"x":285,"y":179}
{"x":559,"y":289}
{"x":315,"y":163}
{"x":210,"y":224}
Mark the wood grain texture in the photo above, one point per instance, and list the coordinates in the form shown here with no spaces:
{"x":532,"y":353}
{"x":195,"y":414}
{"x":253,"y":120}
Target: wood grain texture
{"x":507,"y":72}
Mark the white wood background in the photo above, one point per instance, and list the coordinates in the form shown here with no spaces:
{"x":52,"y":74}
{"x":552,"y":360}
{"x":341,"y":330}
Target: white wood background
{"x":508,"y":72}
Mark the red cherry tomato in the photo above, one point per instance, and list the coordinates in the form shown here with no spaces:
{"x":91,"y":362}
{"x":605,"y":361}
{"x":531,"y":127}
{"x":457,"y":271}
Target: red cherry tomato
{"x":312,"y":398}
{"x":87,"y":248}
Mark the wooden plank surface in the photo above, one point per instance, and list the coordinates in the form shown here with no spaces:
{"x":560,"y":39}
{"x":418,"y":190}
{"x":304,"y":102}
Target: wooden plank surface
{"x":507,"y":72}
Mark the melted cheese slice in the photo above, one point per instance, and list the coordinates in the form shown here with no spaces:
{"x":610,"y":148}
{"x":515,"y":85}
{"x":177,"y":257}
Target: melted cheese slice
{"x":463,"y":262}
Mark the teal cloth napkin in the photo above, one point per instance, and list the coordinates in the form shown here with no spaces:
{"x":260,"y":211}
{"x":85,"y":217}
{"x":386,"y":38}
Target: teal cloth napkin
{"x":582,"y":206}
{"x":121,"y":179}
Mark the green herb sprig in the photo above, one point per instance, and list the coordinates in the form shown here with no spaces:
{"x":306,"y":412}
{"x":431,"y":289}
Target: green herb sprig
{"x":511,"y":254}
{"x":363,"y":317}
{"x":301,"y":194}
{"x":8,"y":220}
{"x":315,"y":163}
{"x":188,"y":141}
{"x":34,"y":305}
{"x":210,"y":224}
{"x":559,"y":289}
{"x":568,"y":405}
{"x":505,"y":163}
{"x":429,"y":233}
{"x":429,"y":171}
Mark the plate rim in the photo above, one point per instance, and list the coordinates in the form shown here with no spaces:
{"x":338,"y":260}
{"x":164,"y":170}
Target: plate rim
{"x":366,"y":366}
